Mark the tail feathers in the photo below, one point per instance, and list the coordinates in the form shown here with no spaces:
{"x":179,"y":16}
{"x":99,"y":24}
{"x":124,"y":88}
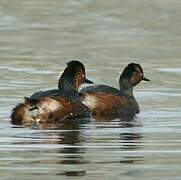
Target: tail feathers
{"x":18,"y":113}
{"x":24,"y":113}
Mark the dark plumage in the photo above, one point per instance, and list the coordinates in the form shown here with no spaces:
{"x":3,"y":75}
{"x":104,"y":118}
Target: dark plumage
{"x":104,"y":100}
{"x":58,"y":104}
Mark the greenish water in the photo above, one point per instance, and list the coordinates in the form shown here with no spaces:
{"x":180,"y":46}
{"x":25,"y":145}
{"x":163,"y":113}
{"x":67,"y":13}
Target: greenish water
{"x":37,"y":38}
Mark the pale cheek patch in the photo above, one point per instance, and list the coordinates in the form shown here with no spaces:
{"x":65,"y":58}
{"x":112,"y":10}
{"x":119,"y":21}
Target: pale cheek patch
{"x":89,"y":100}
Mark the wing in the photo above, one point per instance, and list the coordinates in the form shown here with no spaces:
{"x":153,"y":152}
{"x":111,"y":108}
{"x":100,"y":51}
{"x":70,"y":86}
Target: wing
{"x":48,"y":93}
{"x":102,"y":89}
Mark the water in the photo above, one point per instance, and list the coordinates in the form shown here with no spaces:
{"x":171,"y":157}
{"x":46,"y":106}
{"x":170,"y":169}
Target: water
{"x":37,"y":38}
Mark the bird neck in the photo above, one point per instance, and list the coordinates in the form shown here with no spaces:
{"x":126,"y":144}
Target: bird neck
{"x":66,"y":85}
{"x":126,"y":86}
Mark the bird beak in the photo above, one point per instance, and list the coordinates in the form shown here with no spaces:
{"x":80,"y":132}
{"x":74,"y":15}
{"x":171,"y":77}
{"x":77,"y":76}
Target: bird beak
{"x":88,"y":81}
{"x":145,"y":79}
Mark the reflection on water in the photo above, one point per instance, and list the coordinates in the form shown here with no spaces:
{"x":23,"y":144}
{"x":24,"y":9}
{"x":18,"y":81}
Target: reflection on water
{"x":68,"y":135}
{"x":131,"y":141}
{"x":39,"y":37}
{"x":70,"y":143}
{"x":61,"y":144}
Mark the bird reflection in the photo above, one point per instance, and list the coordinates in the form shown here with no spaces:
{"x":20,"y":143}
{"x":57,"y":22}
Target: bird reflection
{"x":73,"y":149}
{"x":130,"y":140}
{"x":70,"y":138}
{"x":129,"y":137}
{"x":67,"y":134}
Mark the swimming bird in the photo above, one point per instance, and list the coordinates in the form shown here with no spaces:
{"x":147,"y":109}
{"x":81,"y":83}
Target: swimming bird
{"x":58,"y":104}
{"x":105,"y":100}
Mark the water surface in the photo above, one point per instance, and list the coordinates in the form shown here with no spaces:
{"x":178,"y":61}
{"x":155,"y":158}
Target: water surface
{"x":39,"y":37}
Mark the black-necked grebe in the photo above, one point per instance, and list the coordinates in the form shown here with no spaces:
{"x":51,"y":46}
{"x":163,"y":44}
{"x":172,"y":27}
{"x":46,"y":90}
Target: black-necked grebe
{"x":59,"y":104}
{"x":106,"y":100}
